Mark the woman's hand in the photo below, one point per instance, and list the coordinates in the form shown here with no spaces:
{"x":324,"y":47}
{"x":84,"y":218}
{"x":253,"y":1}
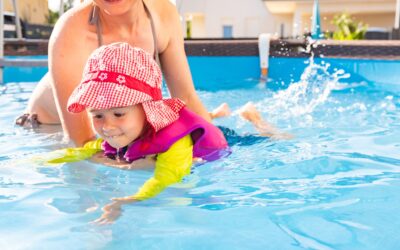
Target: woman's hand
{"x":145,"y":163}
{"x":113,"y":210}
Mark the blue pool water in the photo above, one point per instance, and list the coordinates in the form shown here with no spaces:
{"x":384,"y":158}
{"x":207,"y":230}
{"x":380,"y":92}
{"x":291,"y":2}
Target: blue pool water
{"x":336,"y":185}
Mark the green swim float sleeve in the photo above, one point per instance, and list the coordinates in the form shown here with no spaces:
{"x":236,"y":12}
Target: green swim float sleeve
{"x":77,"y":154}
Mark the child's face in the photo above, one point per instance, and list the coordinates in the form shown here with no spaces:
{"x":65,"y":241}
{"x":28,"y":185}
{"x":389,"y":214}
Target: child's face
{"x":119,"y":126}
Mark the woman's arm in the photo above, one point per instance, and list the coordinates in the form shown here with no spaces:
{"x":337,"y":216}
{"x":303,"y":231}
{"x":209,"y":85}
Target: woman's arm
{"x":174,"y":62}
{"x":68,"y":52}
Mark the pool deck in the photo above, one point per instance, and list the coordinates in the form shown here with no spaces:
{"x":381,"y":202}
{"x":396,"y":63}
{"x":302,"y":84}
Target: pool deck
{"x":368,"y":49}
{"x":25,"y":47}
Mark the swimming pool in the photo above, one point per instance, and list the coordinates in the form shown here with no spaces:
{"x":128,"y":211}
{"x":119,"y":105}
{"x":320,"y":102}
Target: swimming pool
{"x":336,"y":185}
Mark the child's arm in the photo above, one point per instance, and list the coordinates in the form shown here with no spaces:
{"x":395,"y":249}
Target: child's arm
{"x":171,"y":167}
{"x":92,"y":150}
{"x":75,"y":154}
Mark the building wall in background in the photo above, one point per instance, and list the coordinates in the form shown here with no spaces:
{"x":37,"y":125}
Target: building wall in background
{"x":373,"y":20}
{"x":31,"y":11}
{"x":249,"y":18}
{"x":213,"y":19}
{"x":282,"y":18}
{"x":375,"y":13}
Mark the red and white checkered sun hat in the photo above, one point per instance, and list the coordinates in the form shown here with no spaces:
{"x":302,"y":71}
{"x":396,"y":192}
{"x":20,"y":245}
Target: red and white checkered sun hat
{"x":119,"y":75}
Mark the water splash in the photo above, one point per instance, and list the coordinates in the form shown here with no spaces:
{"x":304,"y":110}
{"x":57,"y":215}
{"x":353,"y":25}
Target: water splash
{"x":300,"y":98}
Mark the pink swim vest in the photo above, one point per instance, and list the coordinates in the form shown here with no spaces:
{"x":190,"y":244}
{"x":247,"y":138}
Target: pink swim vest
{"x":209,"y":142}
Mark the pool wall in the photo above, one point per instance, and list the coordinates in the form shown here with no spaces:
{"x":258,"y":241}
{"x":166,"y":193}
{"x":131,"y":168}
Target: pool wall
{"x":227,"y":72}
{"x":220,"y":63}
{"x":222,"y":72}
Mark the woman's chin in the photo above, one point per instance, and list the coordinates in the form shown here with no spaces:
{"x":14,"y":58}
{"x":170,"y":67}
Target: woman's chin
{"x":114,"y":7}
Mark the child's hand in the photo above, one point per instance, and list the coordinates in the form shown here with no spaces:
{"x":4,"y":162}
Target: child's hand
{"x":112,"y":211}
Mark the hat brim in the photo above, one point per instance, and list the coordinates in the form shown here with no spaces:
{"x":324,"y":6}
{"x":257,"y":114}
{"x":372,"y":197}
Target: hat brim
{"x":162,"y":113}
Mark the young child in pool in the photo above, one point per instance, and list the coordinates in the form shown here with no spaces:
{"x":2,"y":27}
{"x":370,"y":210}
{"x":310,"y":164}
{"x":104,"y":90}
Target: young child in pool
{"x":121,"y":90}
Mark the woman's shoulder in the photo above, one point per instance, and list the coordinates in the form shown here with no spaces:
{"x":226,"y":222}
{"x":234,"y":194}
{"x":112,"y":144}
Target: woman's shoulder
{"x":73,"y":22}
{"x":166,"y":20}
{"x":164,"y":10}
{"x":72,"y":41}
{"x":73,"y":28}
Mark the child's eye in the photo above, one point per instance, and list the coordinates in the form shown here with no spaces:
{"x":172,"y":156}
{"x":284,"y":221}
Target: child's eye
{"x":118,"y":114}
{"x":98,"y":116}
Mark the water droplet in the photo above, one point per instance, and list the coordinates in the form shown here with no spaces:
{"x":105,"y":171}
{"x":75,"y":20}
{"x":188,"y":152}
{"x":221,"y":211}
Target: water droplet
{"x":117,"y":157}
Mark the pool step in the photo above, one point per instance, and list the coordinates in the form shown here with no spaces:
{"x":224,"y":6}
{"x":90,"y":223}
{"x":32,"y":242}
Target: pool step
{"x":20,"y":63}
{"x":23,"y":62}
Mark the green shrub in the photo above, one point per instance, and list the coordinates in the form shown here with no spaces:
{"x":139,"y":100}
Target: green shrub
{"x":53,"y":16}
{"x":348,"y":28}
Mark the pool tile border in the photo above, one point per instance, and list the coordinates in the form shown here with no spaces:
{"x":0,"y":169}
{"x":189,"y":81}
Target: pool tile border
{"x":367,"y":49}
{"x":362,"y":49}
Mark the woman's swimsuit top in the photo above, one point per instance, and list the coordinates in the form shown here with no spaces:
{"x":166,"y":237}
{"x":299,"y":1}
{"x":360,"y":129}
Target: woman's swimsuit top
{"x":95,"y":20}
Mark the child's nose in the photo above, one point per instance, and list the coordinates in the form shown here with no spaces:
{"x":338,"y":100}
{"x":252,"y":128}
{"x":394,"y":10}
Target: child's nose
{"x":108,"y":126}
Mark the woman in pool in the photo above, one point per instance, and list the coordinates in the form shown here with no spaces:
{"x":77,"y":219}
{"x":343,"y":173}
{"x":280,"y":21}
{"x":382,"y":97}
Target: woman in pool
{"x":152,"y":25}
{"x":121,"y":92}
